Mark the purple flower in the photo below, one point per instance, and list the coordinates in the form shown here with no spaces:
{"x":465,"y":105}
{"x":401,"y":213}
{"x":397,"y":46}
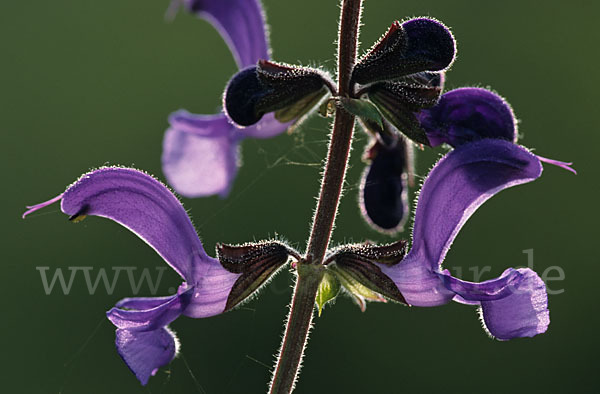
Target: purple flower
{"x":147,"y":208}
{"x":201,"y":152}
{"x":512,"y":305}
{"x":481,"y":127}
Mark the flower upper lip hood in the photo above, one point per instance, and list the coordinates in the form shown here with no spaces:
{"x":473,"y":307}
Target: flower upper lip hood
{"x":241,"y":23}
{"x":467,"y":114}
{"x":201,"y":152}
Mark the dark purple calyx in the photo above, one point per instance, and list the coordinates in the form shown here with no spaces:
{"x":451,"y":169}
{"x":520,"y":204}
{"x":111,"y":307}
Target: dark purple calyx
{"x":255,"y":262}
{"x":289,"y":91}
{"x":384,"y":189}
{"x":411,"y":47}
{"x":356,"y":267}
{"x":400,"y":101}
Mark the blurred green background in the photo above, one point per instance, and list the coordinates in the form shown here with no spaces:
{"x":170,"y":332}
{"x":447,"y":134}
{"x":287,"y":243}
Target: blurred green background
{"x":88,"y":83}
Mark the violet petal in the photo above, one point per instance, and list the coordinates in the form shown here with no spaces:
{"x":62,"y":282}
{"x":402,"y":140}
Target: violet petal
{"x":146,"y":351}
{"x":212,"y":286}
{"x":241,"y":23}
{"x":458,"y":184}
{"x":141,"y":303}
{"x":201,"y":153}
{"x":147,"y":314}
{"x":513,"y":305}
{"x":522,"y":314}
{"x":145,"y":206}
{"x":419,"y":285}
{"x":488,"y":290}
{"x":468,"y":114}
{"x":267,"y":127}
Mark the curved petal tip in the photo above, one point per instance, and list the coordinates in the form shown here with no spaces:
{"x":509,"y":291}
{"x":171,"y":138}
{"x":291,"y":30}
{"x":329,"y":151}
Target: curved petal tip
{"x":524,"y":313}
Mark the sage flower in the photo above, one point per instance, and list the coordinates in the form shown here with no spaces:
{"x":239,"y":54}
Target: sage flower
{"x":146,"y":207}
{"x":481,"y":127}
{"x":512,"y":305}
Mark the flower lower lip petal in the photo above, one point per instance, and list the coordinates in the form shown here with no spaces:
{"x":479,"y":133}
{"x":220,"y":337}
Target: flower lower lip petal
{"x":146,"y":351}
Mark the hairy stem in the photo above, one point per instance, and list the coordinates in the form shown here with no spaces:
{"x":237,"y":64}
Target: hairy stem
{"x":297,"y":328}
{"x":341,"y":138}
{"x":310,"y":270}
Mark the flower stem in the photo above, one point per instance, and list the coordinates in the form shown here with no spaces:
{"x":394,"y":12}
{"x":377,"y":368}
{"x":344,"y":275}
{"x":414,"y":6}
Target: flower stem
{"x":311,"y":270}
{"x":297,"y":328}
{"x":341,"y":138}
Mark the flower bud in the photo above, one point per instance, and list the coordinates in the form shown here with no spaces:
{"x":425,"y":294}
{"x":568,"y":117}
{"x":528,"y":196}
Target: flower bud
{"x":411,"y":47}
{"x":288,"y":91}
{"x":384,"y":190}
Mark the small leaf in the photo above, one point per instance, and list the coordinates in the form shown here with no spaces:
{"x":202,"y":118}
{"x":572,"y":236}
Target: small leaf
{"x":362,"y":109}
{"x":328,"y":290}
